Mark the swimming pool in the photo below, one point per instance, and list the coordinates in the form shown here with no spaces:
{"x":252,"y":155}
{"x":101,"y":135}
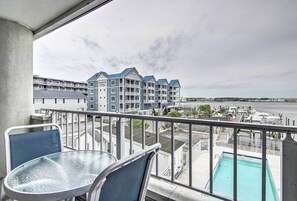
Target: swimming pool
{"x":249,"y":175}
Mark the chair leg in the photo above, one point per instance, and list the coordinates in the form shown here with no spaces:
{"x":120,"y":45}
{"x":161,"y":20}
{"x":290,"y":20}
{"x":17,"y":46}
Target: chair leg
{"x":2,"y":193}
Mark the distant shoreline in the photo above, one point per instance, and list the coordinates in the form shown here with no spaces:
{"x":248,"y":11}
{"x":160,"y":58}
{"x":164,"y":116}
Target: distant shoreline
{"x":287,"y":109}
{"x":291,"y":100}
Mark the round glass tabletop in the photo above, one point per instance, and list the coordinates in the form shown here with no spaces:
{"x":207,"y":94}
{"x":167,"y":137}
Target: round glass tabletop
{"x":57,"y":173}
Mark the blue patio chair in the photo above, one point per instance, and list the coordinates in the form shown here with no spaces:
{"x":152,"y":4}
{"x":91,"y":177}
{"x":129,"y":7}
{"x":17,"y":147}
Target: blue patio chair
{"x":22,"y":147}
{"x":126,"y":179}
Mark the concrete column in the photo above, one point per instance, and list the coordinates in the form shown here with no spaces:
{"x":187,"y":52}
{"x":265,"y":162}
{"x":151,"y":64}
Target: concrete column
{"x":288,"y":169}
{"x":16,"y":72}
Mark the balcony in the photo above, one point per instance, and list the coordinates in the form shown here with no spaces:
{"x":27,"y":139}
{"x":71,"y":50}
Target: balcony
{"x":189,"y":159}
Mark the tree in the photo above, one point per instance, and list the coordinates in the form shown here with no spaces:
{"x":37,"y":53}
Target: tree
{"x":174,"y":113}
{"x":194,"y":111}
{"x":137,"y":123}
{"x":223,"y":110}
{"x":187,"y":113}
{"x":205,"y":110}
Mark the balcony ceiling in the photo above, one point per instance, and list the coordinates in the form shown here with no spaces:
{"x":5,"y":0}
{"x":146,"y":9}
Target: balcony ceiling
{"x":44,"y":16}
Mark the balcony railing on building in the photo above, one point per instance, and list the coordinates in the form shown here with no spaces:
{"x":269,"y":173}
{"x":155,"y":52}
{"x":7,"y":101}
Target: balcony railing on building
{"x":183,"y":141}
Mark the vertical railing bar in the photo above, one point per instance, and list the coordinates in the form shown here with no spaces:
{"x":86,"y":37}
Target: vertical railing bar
{"x":78,"y":131}
{"x":86,"y":133}
{"x":131,"y":136}
{"x":118,"y":136}
{"x":66,"y":129}
{"x":264,"y":166}
{"x":110,"y":136}
{"x":52,"y":117}
{"x":61,"y":125}
{"x":101,"y":133}
{"x":172,"y":152}
{"x":57,"y":114}
{"x":210,"y":159}
{"x":157,"y":156}
{"x":235,"y":165}
{"x":93,"y":132}
{"x":72,"y":130}
{"x":143,"y":134}
{"x":190,"y":156}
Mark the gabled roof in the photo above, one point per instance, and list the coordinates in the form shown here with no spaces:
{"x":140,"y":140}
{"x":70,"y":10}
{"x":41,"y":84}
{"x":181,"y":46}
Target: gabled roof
{"x":149,"y":78}
{"x":96,"y":75}
{"x":123,"y":74}
{"x":150,"y":138}
{"x":174,"y":82}
{"x":162,"y":81}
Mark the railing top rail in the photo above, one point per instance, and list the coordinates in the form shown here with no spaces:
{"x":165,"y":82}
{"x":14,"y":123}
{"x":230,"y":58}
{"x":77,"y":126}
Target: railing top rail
{"x":241,"y":125}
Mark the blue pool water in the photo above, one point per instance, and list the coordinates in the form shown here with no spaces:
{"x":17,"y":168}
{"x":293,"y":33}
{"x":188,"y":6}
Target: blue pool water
{"x":248,"y":179}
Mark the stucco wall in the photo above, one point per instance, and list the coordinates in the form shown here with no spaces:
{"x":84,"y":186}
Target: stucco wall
{"x":16,"y":79}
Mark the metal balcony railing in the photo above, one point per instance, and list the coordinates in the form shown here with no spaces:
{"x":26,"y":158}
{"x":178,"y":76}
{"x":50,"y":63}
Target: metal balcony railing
{"x":73,"y":121}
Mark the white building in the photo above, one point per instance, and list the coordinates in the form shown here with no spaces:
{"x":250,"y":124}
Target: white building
{"x":59,"y":100}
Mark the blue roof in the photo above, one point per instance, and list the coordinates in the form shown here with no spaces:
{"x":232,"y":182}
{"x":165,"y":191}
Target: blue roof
{"x":173,"y":82}
{"x":161,"y":81}
{"x":113,"y":76}
{"x":95,"y":76}
{"x":148,"y":78}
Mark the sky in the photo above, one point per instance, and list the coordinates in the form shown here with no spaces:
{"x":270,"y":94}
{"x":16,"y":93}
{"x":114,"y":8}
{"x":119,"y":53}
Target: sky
{"x":219,"y":48}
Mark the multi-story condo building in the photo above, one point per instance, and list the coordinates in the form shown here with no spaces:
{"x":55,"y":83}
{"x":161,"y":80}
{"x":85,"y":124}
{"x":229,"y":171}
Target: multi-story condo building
{"x":116,"y":92}
{"x":174,"y":92}
{"x":149,"y":92}
{"x":127,"y":91}
{"x":162,"y":93}
{"x":49,"y":84}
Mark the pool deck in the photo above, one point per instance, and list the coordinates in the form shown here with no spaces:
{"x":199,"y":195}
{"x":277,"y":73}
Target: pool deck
{"x":201,"y":167}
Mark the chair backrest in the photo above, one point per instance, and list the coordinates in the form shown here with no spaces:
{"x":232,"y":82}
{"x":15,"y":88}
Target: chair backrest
{"x":126,"y":179}
{"x":22,"y":147}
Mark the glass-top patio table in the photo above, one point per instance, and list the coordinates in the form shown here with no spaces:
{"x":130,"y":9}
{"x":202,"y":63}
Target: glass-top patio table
{"x":56,"y":176}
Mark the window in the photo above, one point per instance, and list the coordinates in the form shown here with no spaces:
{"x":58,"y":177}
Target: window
{"x":113,"y":90}
{"x":91,"y":91}
{"x":78,"y":100}
{"x":55,"y":101}
{"x":43,"y":101}
{"x":112,"y":82}
{"x":112,"y":98}
{"x":84,"y":100}
{"x":92,"y":106}
{"x":91,"y":84}
{"x":113,"y":107}
{"x":64,"y":100}
{"x":92,"y":98}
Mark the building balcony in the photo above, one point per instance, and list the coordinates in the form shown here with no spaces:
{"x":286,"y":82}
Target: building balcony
{"x":132,"y":85}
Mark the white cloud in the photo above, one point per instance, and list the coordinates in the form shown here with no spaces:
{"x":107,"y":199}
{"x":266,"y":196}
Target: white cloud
{"x":215,"y":48}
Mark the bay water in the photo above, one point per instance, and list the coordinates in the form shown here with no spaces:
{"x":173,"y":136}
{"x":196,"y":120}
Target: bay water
{"x":286,"y":109}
